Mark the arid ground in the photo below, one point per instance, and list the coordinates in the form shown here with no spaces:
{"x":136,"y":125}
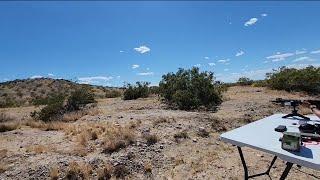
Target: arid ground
{"x":141,"y":139}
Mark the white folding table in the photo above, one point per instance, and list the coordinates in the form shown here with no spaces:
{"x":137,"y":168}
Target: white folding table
{"x":260,"y":135}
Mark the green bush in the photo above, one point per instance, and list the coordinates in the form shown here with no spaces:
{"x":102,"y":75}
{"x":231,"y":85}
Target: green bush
{"x":244,"y":81}
{"x":259,"y":83}
{"x":191,"y":89}
{"x":291,"y":79}
{"x":51,"y":99}
{"x":140,"y":90}
{"x":55,"y":107}
{"x":51,"y":112}
{"x":79,"y":98}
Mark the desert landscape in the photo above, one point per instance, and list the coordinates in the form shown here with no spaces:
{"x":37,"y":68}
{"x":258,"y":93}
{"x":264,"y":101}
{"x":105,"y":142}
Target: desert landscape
{"x":141,"y":139}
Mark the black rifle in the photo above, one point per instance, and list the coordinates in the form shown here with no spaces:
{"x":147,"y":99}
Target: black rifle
{"x":295,"y":103}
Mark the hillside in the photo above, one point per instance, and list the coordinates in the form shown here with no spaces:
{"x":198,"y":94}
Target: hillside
{"x":25,"y":92}
{"x":142,"y":139}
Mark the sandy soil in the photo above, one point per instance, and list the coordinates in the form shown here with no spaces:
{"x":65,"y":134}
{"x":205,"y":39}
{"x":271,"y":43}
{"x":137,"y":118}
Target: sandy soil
{"x":31,"y":153}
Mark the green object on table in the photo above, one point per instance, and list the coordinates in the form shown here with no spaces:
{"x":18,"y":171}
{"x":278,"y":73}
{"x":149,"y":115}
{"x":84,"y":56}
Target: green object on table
{"x":291,"y":141}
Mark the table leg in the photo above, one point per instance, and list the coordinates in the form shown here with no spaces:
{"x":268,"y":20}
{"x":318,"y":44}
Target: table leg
{"x":243,"y":164}
{"x":286,"y":171}
{"x":245,"y":168}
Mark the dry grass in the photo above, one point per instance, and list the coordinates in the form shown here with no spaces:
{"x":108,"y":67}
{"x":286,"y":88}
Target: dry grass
{"x":151,"y":138}
{"x":5,"y":118}
{"x":39,"y":149}
{"x":181,"y":135}
{"x":147,"y":166}
{"x":105,"y":173}
{"x":50,"y":126}
{"x":54,"y":173}
{"x":79,"y":171}
{"x":3,"y":168}
{"x":76,"y":115}
{"x":9,"y":126}
{"x":160,"y":121}
{"x":3,"y":153}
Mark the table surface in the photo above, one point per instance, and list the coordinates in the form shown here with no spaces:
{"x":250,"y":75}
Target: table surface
{"x":261,"y":135}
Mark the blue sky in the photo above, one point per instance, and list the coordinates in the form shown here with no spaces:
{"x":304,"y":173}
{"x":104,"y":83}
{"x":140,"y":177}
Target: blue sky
{"x":108,"y":43}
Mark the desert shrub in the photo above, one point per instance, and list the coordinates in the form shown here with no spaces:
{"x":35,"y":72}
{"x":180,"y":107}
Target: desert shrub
{"x":181,"y":135}
{"x":51,"y":112}
{"x":259,"y":83}
{"x":120,"y":171}
{"x":291,"y":79}
{"x":151,"y":139}
{"x":139,"y":90}
{"x":113,"y":93}
{"x":5,"y":118}
{"x":244,"y":81}
{"x":154,"y":90}
{"x":190,"y":89}
{"x":79,"y":98}
{"x":8,"y":102}
{"x":9,"y":126}
{"x":51,"y":99}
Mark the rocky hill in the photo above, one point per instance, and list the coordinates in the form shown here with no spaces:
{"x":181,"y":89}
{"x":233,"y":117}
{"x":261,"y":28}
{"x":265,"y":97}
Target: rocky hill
{"x":25,"y":92}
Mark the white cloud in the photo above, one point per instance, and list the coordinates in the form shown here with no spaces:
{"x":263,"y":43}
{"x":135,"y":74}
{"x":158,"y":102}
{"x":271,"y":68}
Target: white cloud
{"x":252,"y":21}
{"x":197,"y":65}
{"x":300,"y":66}
{"x":134,"y":66}
{"x":95,"y":79}
{"x":206,"y":57}
{"x":50,"y":74}
{"x":212,"y":64}
{"x":280,"y":57}
{"x":300,"y":52}
{"x":121,"y":51}
{"x":223,"y":61}
{"x":118,"y":77}
{"x":315,"y":52}
{"x":240,"y":53}
{"x":142,"y":49}
{"x":304,"y":58}
{"x":145,"y":74}
{"x":36,"y":76}
{"x":264,"y":14}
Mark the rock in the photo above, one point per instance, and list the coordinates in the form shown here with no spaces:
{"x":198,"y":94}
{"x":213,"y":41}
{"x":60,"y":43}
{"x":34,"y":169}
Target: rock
{"x":194,"y":140}
{"x":161,"y":146}
{"x":217,"y":143}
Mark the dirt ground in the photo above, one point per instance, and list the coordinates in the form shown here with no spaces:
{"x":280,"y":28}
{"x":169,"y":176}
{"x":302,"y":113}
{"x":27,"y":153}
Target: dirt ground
{"x":32,"y":153}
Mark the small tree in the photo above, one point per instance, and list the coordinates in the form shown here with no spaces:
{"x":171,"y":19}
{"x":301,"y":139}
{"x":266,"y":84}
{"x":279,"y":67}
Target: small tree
{"x":190,"y":89}
{"x":244,"y":81}
{"x":139,"y":90}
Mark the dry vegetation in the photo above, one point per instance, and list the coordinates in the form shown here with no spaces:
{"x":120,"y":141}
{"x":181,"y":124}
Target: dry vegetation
{"x":138,"y":139}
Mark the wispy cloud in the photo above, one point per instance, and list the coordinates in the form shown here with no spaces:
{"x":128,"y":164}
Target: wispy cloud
{"x":223,"y":61}
{"x":145,"y":74}
{"x":226,"y":69}
{"x":251,"y":22}
{"x":36,"y":76}
{"x":279,"y":57}
{"x":300,"y":52}
{"x":50,"y":74}
{"x":142,"y":49}
{"x":315,"y":52}
{"x":304,"y":58}
{"x":211,"y":64}
{"x":206,"y":57}
{"x":94,"y":79}
{"x":264,"y":14}
{"x":134,"y":66}
{"x":240,"y":53}
{"x":121,"y":51}
{"x":197,"y":65}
